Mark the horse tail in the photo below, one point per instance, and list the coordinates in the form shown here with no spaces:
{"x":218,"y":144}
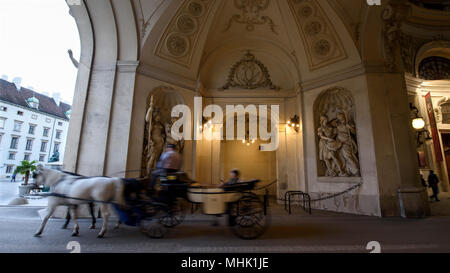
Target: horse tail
{"x":119,"y":191}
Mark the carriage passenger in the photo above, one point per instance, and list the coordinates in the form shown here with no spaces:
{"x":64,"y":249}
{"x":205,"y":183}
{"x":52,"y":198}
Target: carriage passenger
{"x":234,"y":178}
{"x":169,"y":162}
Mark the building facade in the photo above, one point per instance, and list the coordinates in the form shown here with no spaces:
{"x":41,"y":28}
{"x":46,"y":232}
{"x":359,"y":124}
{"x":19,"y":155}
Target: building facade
{"x":344,"y":70}
{"x":33,"y":126}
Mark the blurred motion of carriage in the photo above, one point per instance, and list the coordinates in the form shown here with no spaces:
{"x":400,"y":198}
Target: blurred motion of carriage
{"x":164,"y":207}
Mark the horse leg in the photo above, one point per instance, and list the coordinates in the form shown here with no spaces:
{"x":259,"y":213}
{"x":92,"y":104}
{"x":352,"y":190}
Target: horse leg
{"x":91,"y":210}
{"x":105,"y":213}
{"x":118,"y":224}
{"x":66,"y":224}
{"x":76,"y":228}
{"x":50,"y":211}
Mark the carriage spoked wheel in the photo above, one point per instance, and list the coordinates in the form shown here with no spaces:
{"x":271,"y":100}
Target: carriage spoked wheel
{"x":152,"y":226}
{"x":247,"y":219}
{"x":176,"y":214}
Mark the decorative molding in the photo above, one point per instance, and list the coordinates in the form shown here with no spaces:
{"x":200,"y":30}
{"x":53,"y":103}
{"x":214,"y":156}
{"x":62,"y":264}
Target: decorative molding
{"x":250,"y":15}
{"x":127,"y":66}
{"x":168,"y":77}
{"x":338,"y":76}
{"x":322,"y":43}
{"x":249,"y":73}
{"x":178,"y":41}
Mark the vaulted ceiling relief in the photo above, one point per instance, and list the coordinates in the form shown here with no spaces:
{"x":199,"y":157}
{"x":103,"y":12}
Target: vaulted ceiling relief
{"x":249,"y":73}
{"x":320,"y":38}
{"x":183,"y":31}
{"x":250,"y":15}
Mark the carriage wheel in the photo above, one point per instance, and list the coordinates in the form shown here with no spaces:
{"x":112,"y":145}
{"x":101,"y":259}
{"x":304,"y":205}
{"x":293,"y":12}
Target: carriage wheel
{"x":176,"y":214}
{"x":247,"y":219}
{"x":152,"y":226}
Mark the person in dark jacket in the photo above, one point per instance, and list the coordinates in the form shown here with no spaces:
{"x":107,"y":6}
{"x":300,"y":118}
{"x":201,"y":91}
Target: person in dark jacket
{"x":433,"y":182}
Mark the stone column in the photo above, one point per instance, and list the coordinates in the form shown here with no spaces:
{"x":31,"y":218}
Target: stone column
{"x":120,"y":124}
{"x":399,"y":135}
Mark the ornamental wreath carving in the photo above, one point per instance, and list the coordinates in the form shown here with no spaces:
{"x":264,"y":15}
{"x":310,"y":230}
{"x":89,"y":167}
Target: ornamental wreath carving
{"x":249,"y":73}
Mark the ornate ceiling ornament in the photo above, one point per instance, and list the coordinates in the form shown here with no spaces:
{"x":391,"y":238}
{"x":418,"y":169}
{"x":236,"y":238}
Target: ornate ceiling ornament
{"x":320,"y":38}
{"x":177,"y":44}
{"x":249,"y":73}
{"x":250,"y":15}
{"x":183,"y":32}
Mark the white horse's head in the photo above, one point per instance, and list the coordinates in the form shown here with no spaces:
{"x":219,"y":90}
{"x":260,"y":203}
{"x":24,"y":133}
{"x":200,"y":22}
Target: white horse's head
{"x":47,"y":177}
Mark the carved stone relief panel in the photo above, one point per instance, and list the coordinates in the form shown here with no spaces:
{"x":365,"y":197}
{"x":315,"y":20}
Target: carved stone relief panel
{"x":337,"y":145}
{"x":321,"y":41}
{"x":250,"y":15}
{"x":249,"y":73}
{"x":183,"y":31}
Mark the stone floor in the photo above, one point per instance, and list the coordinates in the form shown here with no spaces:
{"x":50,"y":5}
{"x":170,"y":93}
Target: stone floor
{"x":297,"y":233}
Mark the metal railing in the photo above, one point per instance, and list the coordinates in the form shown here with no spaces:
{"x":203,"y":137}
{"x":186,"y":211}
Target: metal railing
{"x":305,"y":201}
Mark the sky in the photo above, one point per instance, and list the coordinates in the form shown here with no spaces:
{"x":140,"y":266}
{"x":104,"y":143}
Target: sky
{"x":34,"y":38}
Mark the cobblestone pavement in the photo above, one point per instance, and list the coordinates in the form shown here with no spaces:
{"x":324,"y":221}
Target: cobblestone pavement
{"x":298,"y":233}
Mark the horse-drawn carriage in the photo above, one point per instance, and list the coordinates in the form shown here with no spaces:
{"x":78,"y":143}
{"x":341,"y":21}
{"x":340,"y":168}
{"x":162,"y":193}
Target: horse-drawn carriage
{"x":166,"y":207}
{"x":155,"y":208}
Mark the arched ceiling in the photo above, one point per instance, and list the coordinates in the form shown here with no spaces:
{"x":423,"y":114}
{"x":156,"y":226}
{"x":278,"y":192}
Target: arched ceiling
{"x":297,"y":40}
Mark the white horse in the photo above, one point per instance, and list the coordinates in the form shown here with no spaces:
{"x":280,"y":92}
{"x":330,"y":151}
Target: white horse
{"x":79,"y":190}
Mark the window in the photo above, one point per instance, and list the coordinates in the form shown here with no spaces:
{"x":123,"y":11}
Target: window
{"x":58,"y":134}
{"x":17,"y":126}
{"x":48,"y":120}
{"x":12,"y":156}
{"x":29,"y":145}
{"x":2,"y":123}
{"x":60,"y":123}
{"x":34,"y":116}
{"x":20,"y":113}
{"x":3,"y":108}
{"x":56,"y":148}
{"x":1,"y":136}
{"x":14,"y":142}
{"x":9,"y":168}
{"x":31,"y":129}
{"x":26,"y":157}
{"x":46,"y":130}
{"x":41,"y":158}
{"x":44,"y":146}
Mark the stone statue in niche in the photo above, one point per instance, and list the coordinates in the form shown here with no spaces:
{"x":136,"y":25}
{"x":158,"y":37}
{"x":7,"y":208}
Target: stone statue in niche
{"x":158,"y":135}
{"x":155,"y":138}
{"x":337,"y":142}
{"x":328,"y":147}
{"x":346,"y":134}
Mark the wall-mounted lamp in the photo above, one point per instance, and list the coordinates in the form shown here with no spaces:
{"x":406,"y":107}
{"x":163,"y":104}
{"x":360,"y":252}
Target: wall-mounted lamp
{"x":294,"y":123}
{"x":418,"y":123}
{"x":206,"y":124}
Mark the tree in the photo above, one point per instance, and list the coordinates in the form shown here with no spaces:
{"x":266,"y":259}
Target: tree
{"x":26,"y":168}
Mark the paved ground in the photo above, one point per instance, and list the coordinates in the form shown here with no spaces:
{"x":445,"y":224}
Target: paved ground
{"x":320,"y":232}
{"x":9,"y":191}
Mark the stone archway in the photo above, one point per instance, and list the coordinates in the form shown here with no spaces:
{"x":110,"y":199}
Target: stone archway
{"x":96,"y":143}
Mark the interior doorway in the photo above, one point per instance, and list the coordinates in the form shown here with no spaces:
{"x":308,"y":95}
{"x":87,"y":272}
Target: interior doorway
{"x":251,"y":162}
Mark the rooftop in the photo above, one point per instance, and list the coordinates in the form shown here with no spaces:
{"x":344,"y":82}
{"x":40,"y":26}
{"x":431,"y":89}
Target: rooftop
{"x":47,"y":105}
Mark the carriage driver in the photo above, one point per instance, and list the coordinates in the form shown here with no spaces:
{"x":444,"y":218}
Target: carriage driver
{"x":169,"y":162}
